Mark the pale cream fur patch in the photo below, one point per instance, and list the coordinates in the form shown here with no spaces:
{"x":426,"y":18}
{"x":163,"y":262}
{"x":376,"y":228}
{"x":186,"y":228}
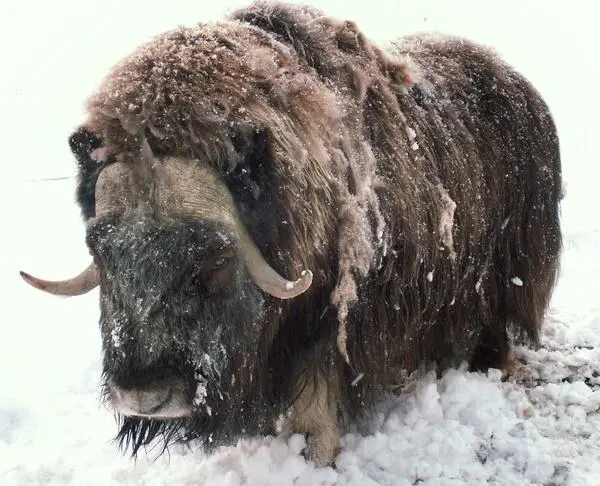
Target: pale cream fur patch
{"x":313,"y":414}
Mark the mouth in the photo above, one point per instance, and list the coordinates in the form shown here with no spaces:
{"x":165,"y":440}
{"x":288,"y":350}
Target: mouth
{"x":165,"y":399}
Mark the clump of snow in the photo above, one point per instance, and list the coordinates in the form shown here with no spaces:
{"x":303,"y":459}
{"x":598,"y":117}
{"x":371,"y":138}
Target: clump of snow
{"x":201,"y":393}
{"x":115,"y":336}
{"x":517,"y":281}
{"x":446,"y":224}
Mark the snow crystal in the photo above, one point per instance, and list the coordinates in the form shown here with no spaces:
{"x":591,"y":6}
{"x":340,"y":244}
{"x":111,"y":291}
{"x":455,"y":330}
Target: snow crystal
{"x":359,"y":377}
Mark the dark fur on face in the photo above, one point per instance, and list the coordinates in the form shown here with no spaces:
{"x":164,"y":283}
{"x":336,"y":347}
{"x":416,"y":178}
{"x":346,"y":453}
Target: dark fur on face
{"x":418,"y":184}
{"x":165,"y":309}
{"x":83,"y":143}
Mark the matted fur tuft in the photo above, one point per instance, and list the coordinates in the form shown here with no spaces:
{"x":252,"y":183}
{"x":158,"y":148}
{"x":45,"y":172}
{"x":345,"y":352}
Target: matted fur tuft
{"x":416,"y":183}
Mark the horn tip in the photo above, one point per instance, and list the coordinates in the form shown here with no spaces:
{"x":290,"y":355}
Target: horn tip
{"x":306,"y":276}
{"x":304,"y":282}
{"x":31,"y":280}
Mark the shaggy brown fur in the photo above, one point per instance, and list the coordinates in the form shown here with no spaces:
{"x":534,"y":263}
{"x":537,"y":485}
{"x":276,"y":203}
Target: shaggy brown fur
{"x":415,"y":184}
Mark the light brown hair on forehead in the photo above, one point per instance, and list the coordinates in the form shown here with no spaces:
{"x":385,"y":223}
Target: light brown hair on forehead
{"x":173,"y":187}
{"x":116,"y":190}
{"x":187,"y":188}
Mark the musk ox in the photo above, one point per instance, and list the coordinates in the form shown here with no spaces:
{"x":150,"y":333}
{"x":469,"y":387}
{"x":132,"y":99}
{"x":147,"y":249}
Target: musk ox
{"x":284,"y":218}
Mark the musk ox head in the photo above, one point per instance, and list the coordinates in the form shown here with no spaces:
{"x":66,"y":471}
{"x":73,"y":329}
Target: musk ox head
{"x":181,"y":284}
{"x":215,"y":161}
{"x":185,"y":140}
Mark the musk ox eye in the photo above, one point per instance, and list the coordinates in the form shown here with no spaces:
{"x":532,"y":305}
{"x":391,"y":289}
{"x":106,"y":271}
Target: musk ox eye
{"x":220,"y":263}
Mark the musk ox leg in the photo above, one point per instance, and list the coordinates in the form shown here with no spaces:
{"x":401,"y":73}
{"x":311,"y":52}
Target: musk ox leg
{"x":313,"y":413}
{"x":518,"y":304}
{"x":493,"y":349}
{"x":526,"y":269}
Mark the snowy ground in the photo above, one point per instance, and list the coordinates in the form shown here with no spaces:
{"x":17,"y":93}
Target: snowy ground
{"x":541,"y":427}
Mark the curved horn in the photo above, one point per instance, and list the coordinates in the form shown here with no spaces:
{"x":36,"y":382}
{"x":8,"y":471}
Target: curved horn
{"x":79,"y":285}
{"x":213,"y":201}
{"x":265,"y":276}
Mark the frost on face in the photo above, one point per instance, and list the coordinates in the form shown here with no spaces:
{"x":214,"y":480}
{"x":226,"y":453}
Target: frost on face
{"x":117,"y":335}
{"x":201,"y":394}
{"x":116,"y":338}
{"x":208,"y":368}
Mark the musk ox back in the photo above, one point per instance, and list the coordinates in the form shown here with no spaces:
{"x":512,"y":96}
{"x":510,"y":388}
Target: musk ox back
{"x":284,"y":218}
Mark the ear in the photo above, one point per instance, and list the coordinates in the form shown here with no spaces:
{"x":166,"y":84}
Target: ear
{"x":91,"y":158}
{"x":83,"y":143}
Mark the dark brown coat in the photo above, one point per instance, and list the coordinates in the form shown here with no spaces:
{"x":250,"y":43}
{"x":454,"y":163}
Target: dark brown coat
{"x":420,"y":184}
